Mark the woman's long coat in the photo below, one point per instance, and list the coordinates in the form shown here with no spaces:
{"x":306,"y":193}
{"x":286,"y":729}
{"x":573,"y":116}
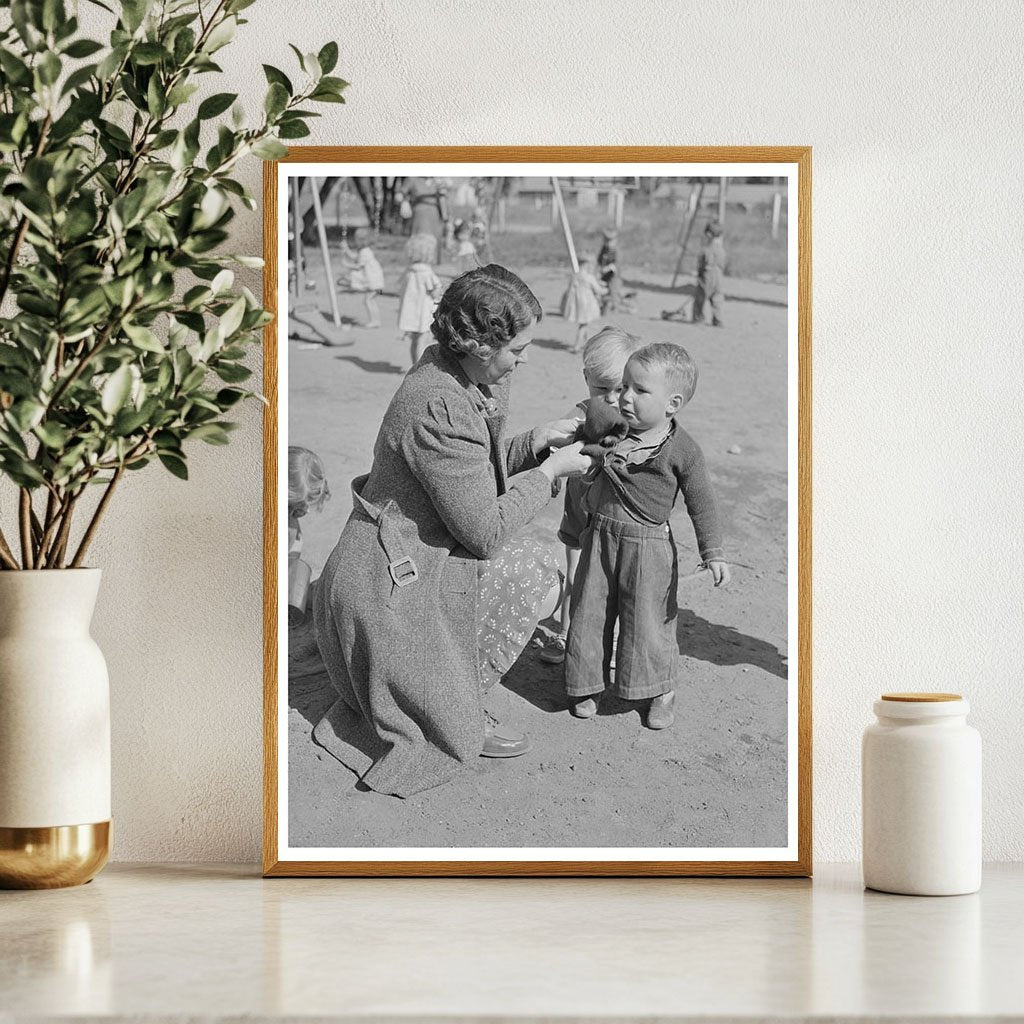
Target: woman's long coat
{"x":396,"y":611}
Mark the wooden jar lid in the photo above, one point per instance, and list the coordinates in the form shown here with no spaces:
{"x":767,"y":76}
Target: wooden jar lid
{"x":921,"y":698}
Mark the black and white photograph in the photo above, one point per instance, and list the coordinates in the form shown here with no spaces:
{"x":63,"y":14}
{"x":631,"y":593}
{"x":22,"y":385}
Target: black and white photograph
{"x":537,"y":520}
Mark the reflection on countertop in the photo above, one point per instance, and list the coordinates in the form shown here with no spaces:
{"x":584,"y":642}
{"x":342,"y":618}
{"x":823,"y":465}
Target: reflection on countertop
{"x":177,"y":941}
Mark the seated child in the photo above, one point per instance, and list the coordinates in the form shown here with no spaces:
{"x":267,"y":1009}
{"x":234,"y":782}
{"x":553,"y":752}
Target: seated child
{"x":307,"y":489}
{"x":604,"y":358}
{"x":627,"y":562}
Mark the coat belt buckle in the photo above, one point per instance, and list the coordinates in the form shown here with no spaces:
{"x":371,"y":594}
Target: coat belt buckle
{"x":403,"y":571}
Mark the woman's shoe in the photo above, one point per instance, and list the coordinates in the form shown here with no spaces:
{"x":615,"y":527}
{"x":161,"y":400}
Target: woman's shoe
{"x":660,"y":714}
{"x":586,"y":708}
{"x":501,"y":741}
{"x":552,"y":650}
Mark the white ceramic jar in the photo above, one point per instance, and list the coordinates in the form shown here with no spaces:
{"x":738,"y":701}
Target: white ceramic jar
{"x":921,"y":778}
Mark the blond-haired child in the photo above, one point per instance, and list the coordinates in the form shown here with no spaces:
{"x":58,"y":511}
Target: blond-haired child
{"x":421,"y":288}
{"x":627,"y":564}
{"x":307,"y":490}
{"x":604,"y":359}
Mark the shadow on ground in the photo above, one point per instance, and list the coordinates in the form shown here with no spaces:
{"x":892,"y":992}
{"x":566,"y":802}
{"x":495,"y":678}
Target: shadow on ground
{"x":723,"y":645}
{"x":372,"y":365}
{"x":689,"y":291}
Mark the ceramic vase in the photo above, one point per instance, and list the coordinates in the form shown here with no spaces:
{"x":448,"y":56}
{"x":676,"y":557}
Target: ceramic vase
{"x":54,"y":731}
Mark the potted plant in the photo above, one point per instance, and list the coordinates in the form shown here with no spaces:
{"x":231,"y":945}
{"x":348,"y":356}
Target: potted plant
{"x":122,"y":339}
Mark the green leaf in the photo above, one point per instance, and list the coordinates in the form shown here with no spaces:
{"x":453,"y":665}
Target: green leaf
{"x":311,"y":66}
{"x":26,"y":414}
{"x":133,"y":13}
{"x":232,"y":373}
{"x":293,"y":130}
{"x":21,"y":471}
{"x":278,"y":77}
{"x":211,"y":433}
{"x":269,"y":149}
{"x":181,"y":94}
{"x":49,"y":68}
{"x":53,"y":14}
{"x":221,"y":35}
{"x":334,"y":84}
{"x":214,"y":105}
{"x":16,"y":70}
{"x":144,"y":338}
{"x":128,"y":421}
{"x":149,"y":53}
{"x":276,"y":100}
{"x":328,"y":57}
{"x":232,"y":319}
{"x":53,"y":435}
{"x":227,"y":397}
{"x":83,"y":48}
{"x":106,"y":68}
{"x":325,"y":96}
{"x":175,"y":465}
{"x":222,"y":282}
{"x":116,"y":390}
{"x":184,"y":44}
{"x":156,"y":99}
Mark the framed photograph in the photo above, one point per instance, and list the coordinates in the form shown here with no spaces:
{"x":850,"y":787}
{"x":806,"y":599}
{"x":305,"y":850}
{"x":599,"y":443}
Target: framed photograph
{"x":538,"y":511}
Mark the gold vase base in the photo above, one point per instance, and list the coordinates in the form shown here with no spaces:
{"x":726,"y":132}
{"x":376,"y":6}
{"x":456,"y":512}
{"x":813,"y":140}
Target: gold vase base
{"x":54,"y":857}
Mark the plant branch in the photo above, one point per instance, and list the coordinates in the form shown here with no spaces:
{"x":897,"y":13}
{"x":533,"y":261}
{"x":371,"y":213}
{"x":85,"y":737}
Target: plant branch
{"x":25,"y":522}
{"x":6,"y":554}
{"x":56,"y":555}
{"x":90,"y":531}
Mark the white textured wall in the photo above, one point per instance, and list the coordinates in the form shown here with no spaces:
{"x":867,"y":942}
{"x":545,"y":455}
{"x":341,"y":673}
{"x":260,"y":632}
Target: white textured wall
{"x":914,"y":113}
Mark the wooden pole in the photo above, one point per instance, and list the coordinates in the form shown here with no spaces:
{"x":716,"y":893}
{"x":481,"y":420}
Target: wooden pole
{"x":687,"y":228}
{"x":721,"y":200}
{"x":776,"y":213}
{"x":321,"y":231}
{"x":556,"y":190}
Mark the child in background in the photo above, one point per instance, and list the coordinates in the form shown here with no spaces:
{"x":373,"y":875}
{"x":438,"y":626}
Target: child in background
{"x":608,"y":263}
{"x":627,"y":564}
{"x":604,"y":359}
{"x":307,"y":489}
{"x":366,"y":275}
{"x":478,"y":235}
{"x":420,"y":291}
{"x":465,"y":251}
{"x":709,"y":300}
{"x":581,"y":302}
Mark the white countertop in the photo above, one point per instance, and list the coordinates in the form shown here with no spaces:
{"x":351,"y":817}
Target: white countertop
{"x":217,"y":941}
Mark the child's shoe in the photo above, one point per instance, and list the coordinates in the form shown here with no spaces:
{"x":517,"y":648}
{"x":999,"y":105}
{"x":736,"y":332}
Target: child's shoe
{"x":585,"y":708}
{"x":660,"y":714}
{"x":552,"y":650}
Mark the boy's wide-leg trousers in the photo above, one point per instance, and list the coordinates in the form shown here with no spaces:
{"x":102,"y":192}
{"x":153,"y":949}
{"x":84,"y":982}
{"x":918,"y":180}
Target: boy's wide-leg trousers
{"x":627,"y":571}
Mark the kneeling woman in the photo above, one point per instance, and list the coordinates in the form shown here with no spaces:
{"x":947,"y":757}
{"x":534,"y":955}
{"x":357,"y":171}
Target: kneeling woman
{"x":429,"y":596}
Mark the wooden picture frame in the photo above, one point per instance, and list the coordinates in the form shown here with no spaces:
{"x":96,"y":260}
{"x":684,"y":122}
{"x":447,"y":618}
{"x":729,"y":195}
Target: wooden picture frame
{"x":786,"y":310}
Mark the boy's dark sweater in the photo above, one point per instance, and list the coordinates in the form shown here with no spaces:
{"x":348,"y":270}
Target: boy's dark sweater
{"x":647,"y":490}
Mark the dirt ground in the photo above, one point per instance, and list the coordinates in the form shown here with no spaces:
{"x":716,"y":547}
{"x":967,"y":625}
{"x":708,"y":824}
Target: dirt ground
{"x":718,"y":777}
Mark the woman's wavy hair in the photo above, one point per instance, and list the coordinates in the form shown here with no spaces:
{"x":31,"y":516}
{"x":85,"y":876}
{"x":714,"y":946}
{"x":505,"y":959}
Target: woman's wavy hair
{"x":483,"y":310}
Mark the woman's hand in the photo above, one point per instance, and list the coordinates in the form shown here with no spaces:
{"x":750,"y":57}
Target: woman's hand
{"x":555,"y":434}
{"x":566,"y":461}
